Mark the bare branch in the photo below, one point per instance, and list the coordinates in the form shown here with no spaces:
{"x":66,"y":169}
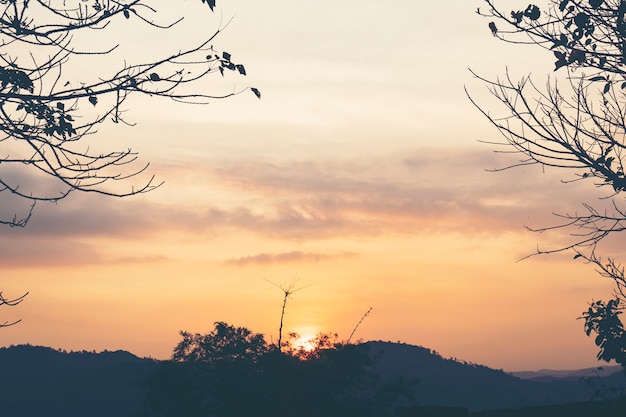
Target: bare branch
{"x":39,"y":114}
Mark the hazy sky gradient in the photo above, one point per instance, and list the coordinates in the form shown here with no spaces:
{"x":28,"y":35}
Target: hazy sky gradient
{"x":359,"y":173}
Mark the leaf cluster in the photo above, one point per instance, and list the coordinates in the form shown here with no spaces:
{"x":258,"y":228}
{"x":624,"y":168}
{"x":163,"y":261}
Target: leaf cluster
{"x":40,"y":110}
{"x":603,"y":319}
{"x":585,"y":33}
{"x":577,"y":124}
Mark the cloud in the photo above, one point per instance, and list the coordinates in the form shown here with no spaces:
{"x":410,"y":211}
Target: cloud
{"x":286,"y":257}
{"x":419,"y":192}
{"x":430,"y":190}
{"x":36,"y":253}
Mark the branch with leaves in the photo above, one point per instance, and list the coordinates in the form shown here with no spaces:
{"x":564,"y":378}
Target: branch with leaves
{"x":45,"y":120}
{"x":576,"y":123}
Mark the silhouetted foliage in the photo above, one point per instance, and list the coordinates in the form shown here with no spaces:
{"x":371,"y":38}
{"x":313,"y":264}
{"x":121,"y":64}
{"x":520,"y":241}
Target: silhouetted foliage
{"x":576,"y":124}
{"x":79,"y":384}
{"x":224,"y":343}
{"x":38,"y":381}
{"x":48,"y":109}
{"x":603,"y":319}
{"x":234,"y":372}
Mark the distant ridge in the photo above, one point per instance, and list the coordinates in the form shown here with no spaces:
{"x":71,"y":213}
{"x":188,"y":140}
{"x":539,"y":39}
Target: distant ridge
{"x":448,"y":382}
{"x":551,"y":374}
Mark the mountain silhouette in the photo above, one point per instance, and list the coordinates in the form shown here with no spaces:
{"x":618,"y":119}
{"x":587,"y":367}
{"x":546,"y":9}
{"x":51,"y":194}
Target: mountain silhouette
{"x":40,"y":381}
{"x":448,"y":382}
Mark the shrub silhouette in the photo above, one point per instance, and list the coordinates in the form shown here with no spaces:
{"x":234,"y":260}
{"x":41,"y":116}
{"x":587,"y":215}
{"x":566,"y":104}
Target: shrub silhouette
{"x":233,"y":372}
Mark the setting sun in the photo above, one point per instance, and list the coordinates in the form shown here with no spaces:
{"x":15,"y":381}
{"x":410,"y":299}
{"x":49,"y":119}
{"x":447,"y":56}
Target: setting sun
{"x":305,"y":342}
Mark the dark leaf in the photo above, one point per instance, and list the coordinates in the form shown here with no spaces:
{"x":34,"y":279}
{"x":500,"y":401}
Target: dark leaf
{"x":561,"y":41}
{"x":578,"y":255}
{"x":60,"y":106}
{"x":581,"y":19}
{"x":563,"y":5}
{"x":577,"y":56}
{"x":493,"y":28}
{"x":607,"y":87}
{"x":226,"y":56}
{"x":599,"y":340}
{"x":559,"y":64}
{"x":596,"y":3}
{"x":241,"y":69}
{"x":93,"y":100}
{"x":256,"y":92}
{"x":623,"y":85}
{"x":532,"y":12}
{"x":211,"y":4}
{"x":598,"y":78}
{"x":155,"y":77}
{"x":577,"y":34}
{"x":561,"y":61}
{"x":126,"y":13}
{"x":221,"y":71}
{"x":517,"y":16}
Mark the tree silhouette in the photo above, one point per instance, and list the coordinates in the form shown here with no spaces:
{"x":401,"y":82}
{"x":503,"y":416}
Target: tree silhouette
{"x":235,"y":372}
{"x":576,"y":123}
{"x":288,"y":291}
{"x":224,"y":343}
{"x":48,"y":108}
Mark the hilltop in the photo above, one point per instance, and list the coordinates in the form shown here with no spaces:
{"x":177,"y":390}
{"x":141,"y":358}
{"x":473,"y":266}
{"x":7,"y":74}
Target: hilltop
{"x":40,"y":381}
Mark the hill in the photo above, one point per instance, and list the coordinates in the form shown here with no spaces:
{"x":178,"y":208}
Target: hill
{"x":40,"y":381}
{"x":448,"y":382}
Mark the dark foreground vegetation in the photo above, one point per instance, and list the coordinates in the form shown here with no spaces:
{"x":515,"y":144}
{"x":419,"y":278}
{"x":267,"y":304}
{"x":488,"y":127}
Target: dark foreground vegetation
{"x":234,"y":372}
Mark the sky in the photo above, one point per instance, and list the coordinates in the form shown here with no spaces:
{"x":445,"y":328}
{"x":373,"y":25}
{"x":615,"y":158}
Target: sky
{"x":361,"y":178}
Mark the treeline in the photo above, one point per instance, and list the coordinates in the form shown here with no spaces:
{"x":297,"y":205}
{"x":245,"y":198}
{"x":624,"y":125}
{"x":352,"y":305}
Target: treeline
{"x":233,"y":372}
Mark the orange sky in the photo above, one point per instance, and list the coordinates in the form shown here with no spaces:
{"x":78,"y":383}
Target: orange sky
{"x":359,"y":174}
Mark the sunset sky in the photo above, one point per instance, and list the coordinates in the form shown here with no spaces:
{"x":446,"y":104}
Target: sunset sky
{"x":358,"y":175}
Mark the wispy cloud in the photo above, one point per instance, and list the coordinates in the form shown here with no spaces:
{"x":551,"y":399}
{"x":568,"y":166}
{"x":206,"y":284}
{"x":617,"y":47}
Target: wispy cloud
{"x":425,"y":191}
{"x":430,"y":190}
{"x":286,"y":257}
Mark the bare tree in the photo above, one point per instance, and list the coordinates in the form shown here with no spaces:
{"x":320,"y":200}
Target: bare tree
{"x":363,"y":317}
{"x":575,"y":122}
{"x":288,"y":291}
{"x":10,"y":302}
{"x":47,"y":117}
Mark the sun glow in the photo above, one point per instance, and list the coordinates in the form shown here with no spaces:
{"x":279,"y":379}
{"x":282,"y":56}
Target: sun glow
{"x":305,"y":342}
